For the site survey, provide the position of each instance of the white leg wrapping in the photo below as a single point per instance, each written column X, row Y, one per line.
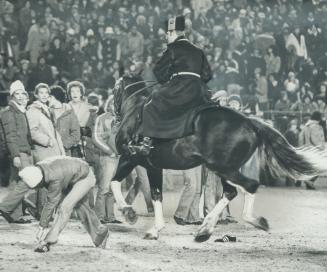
column 211, row 219
column 116, row 190
column 159, row 222
column 248, row 207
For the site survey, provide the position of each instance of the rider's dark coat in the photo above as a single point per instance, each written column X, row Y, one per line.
column 165, row 114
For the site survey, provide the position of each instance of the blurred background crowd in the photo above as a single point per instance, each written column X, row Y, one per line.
column 271, row 53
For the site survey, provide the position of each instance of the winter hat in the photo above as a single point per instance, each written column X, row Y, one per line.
column 70, row 31
column 316, row 115
column 58, row 93
column 31, row 175
column 186, row 11
column 90, row 32
column 16, row 86
column 109, row 30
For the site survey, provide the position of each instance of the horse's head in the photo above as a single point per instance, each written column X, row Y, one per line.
column 129, row 96
column 127, row 92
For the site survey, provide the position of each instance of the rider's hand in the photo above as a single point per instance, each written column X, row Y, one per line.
column 17, row 162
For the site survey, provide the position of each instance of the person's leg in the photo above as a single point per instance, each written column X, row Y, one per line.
column 195, row 177
column 142, row 177
column 91, row 222
column 99, row 206
column 78, row 192
column 12, row 203
column 188, row 207
column 110, row 204
column 104, row 205
column 211, row 193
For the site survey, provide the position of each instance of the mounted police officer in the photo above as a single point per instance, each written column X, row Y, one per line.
column 183, row 71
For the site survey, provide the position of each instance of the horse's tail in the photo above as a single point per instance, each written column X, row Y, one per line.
column 283, row 159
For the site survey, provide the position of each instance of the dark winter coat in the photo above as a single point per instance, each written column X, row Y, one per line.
column 16, row 130
column 166, row 113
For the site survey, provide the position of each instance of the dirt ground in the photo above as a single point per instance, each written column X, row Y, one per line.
column 297, row 241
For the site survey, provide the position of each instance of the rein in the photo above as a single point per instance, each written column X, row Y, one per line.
column 142, row 89
column 138, row 82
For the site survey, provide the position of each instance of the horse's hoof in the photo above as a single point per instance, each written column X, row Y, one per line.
column 263, row 224
column 150, row 236
column 202, row 237
column 130, row 215
column 260, row 223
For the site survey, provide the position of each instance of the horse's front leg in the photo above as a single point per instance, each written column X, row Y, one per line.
column 124, row 168
column 155, row 179
column 210, row 221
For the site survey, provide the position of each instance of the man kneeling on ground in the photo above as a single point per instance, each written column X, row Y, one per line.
column 68, row 181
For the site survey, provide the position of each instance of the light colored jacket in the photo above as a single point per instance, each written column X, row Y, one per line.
column 104, row 134
column 312, row 134
column 60, row 173
column 68, row 127
column 43, row 132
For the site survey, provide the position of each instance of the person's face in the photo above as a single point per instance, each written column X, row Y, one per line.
column 42, row 61
column 10, row 63
column 25, row 66
column 134, row 30
column 43, row 95
column 171, row 36
column 25, row 100
column 75, row 94
column 19, row 97
column 56, row 43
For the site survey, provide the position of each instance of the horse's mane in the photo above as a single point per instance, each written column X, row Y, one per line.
column 126, row 88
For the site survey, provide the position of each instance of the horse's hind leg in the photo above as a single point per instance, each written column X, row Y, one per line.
column 248, row 187
column 210, row 221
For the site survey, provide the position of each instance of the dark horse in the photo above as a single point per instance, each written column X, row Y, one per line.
column 223, row 141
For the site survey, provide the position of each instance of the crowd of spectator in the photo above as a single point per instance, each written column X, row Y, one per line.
column 270, row 52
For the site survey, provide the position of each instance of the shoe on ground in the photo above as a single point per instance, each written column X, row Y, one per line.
column 43, row 248
column 110, row 221
column 179, row 221
column 101, row 239
column 22, row 221
column 309, row 185
column 7, row 216
column 226, row 238
column 298, row 183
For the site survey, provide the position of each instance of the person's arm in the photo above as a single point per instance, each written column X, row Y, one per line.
column 317, row 137
column 161, row 69
column 99, row 137
column 10, row 132
column 38, row 137
column 53, row 199
column 206, row 72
